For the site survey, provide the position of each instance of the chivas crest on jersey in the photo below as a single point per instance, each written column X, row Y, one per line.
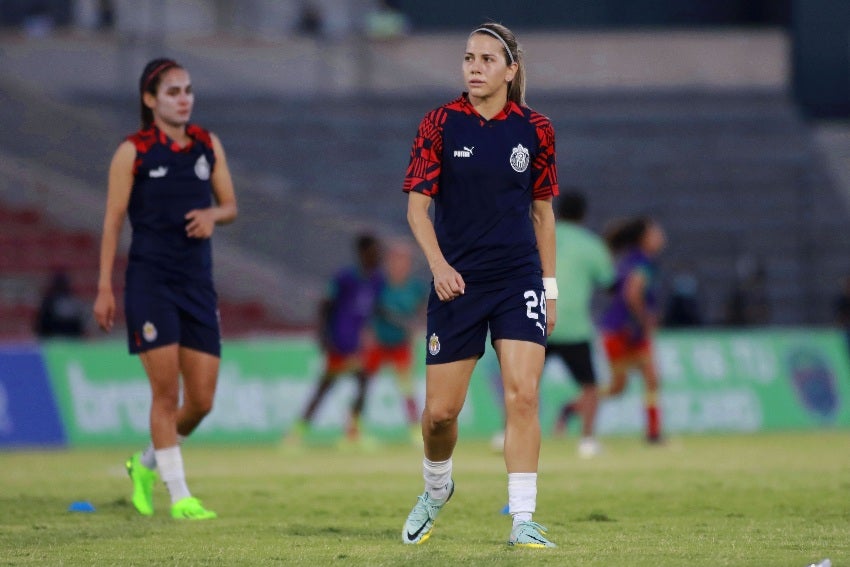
column 202, row 168
column 519, row 158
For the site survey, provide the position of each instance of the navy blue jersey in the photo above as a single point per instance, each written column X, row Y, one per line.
column 483, row 176
column 168, row 182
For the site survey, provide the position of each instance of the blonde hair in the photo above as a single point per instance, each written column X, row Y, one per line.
column 513, row 54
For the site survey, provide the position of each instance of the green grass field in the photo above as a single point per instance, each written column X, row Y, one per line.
column 762, row 500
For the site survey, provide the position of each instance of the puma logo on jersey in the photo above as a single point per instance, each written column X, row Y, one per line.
column 465, row 152
column 159, row 171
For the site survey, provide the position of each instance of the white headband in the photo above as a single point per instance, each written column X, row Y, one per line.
column 500, row 38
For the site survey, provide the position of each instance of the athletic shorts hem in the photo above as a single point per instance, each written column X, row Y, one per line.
column 454, row 357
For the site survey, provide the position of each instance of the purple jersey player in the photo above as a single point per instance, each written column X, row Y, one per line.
column 629, row 322
column 343, row 316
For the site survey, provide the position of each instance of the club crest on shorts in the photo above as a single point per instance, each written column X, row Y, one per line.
column 519, row 158
column 434, row 344
column 149, row 331
column 202, row 168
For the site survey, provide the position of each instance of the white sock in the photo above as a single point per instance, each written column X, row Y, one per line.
column 437, row 476
column 170, row 464
column 522, row 496
column 149, row 454
column 149, row 457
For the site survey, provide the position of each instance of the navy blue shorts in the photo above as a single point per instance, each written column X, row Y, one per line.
column 457, row 329
column 160, row 314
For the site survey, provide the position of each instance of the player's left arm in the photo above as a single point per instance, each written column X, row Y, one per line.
column 543, row 218
column 544, row 180
column 201, row 222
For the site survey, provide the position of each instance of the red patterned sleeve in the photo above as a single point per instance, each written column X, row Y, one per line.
column 544, row 170
column 144, row 141
column 200, row 134
column 423, row 171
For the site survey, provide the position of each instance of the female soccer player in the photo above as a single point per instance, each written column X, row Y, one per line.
column 487, row 162
column 629, row 322
column 165, row 177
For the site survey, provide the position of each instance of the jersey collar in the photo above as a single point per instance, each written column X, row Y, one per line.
column 171, row 144
column 510, row 108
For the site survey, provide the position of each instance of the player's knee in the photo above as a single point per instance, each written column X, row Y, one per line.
column 202, row 407
column 650, row 379
column 165, row 399
column 205, row 407
column 437, row 419
column 522, row 401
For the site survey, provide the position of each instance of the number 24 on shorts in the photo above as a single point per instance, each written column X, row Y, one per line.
column 532, row 302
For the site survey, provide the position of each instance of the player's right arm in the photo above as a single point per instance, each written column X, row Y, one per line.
column 117, row 199
column 323, row 315
column 634, row 293
column 448, row 283
column 422, row 182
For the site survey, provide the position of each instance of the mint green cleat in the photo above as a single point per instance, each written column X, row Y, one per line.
column 190, row 508
column 420, row 521
column 529, row 534
column 144, row 480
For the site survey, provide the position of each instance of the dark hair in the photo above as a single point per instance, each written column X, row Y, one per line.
column 627, row 233
column 516, row 88
column 365, row 241
column 572, row 206
column 149, row 83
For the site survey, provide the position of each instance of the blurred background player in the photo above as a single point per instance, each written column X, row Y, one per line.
column 487, row 162
column 629, row 322
column 584, row 265
column 61, row 313
column 397, row 314
column 683, row 307
column 165, row 177
column 842, row 311
column 343, row 315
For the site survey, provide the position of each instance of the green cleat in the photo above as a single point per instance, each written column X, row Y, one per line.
column 420, row 521
column 190, row 508
column 143, row 482
column 529, row 534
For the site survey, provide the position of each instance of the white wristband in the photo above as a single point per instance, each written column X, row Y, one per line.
column 550, row 286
